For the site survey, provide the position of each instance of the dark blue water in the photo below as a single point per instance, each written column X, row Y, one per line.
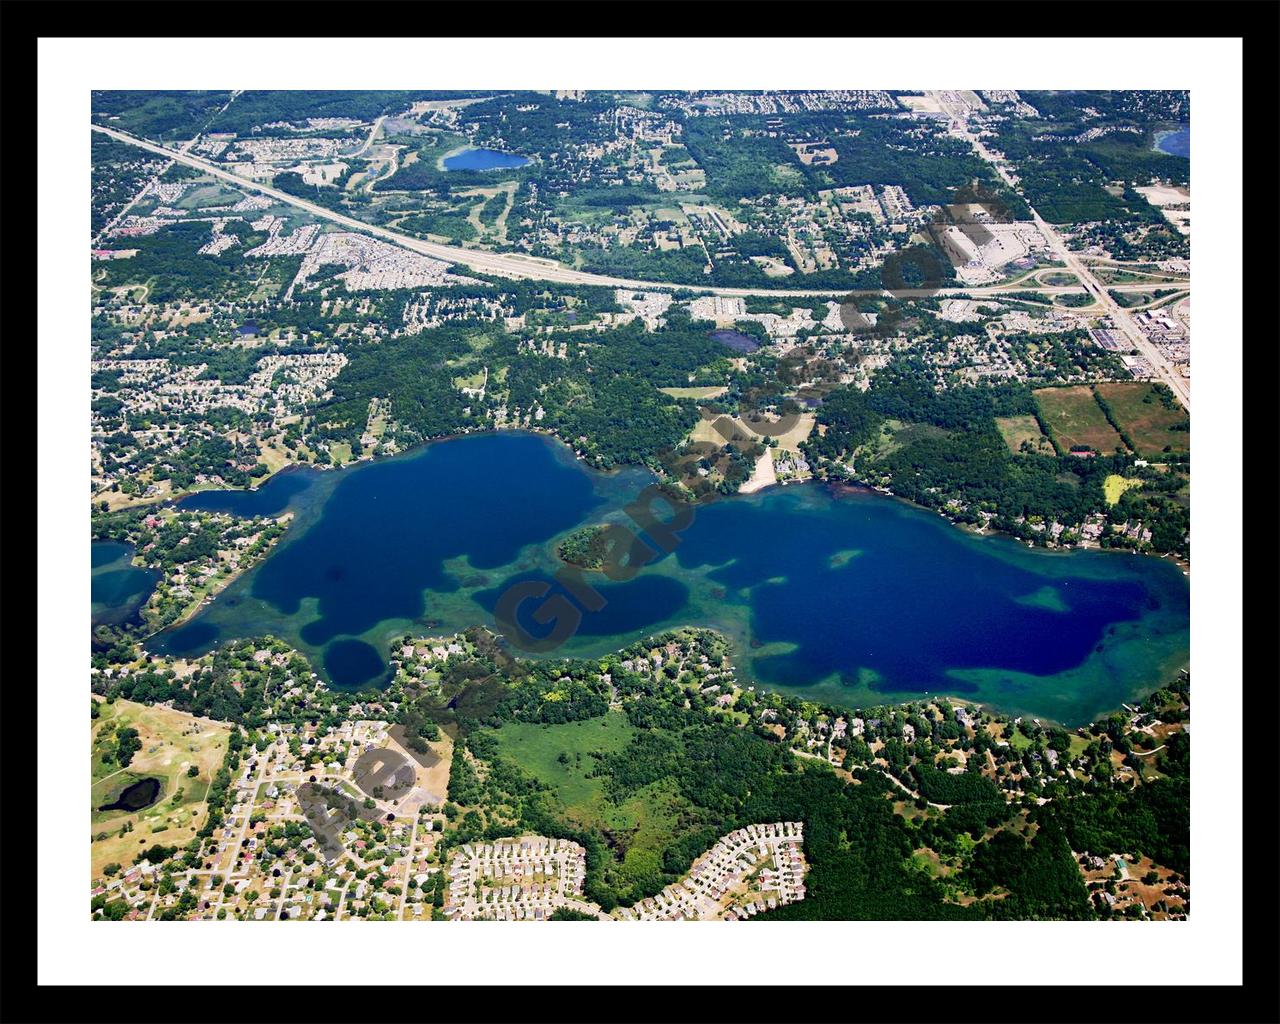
column 846, row 596
column 912, row 606
column 117, row 588
column 272, row 498
column 386, row 532
column 483, row 160
column 1176, row 143
column 353, row 660
column 635, row 605
column 136, row 796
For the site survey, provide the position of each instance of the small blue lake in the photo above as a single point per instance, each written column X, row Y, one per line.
column 1175, row 143
column 483, row 160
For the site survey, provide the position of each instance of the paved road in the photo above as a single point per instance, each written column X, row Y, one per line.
column 367, row 142
column 146, row 187
column 1165, row 370
column 408, row 870
column 513, row 265
column 232, row 868
column 500, row 264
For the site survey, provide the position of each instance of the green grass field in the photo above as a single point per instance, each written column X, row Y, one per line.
column 1142, row 415
column 1074, row 417
column 1016, row 429
column 208, row 194
column 537, row 749
column 639, row 827
column 1016, row 740
column 1059, row 279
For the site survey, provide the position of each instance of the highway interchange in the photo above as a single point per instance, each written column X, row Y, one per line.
column 517, row 265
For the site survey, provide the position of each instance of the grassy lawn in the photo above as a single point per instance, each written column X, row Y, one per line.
column 1143, row 273
column 537, row 749
column 1016, row 429
column 1139, row 410
column 1016, row 740
column 639, row 827
column 211, row 194
column 1128, row 300
column 1059, row 279
column 1115, row 485
column 172, row 742
column 1074, row 417
column 1074, row 300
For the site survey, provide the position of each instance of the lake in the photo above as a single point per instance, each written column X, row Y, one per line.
column 483, row 160
column 1175, row 143
column 136, row 796
column 840, row 594
column 118, row 589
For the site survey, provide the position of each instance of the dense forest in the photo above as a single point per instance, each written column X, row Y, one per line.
column 603, row 399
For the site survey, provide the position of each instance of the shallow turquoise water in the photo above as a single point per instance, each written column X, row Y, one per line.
column 844, row 595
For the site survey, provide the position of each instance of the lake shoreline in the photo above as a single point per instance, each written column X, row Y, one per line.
column 1158, row 137
column 369, row 567
column 994, row 531
column 759, row 487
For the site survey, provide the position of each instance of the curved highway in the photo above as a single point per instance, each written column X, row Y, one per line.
column 517, row 265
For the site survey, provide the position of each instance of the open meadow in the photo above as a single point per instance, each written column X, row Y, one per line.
column 1150, row 424
column 1075, row 418
column 638, row 826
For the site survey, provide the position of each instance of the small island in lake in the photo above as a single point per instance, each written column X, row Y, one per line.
column 585, row 548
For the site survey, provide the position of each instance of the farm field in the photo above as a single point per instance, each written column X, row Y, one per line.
column 1016, row 429
column 1150, row 424
column 172, row 742
column 1075, row 418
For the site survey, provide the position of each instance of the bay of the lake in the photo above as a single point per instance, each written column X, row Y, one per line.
column 843, row 595
column 1176, row 142
column 118, row 589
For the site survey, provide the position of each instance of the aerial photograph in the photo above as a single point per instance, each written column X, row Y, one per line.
column 568, row 505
